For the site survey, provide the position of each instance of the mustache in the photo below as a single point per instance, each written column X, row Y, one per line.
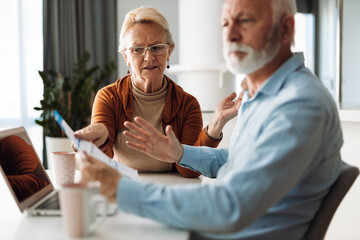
column 237, row 47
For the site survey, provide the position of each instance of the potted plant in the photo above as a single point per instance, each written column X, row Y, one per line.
column 72, row 97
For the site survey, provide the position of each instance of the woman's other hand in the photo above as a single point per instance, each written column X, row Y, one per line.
column 225, row 110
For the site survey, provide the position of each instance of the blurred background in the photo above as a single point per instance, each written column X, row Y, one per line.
column 44, row 35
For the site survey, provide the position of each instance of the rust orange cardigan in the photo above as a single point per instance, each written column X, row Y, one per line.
column 114, row 105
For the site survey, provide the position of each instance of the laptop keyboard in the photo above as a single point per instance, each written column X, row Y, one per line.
column 51, row 203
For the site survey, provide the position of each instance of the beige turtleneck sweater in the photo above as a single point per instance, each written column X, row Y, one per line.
column 150, row 107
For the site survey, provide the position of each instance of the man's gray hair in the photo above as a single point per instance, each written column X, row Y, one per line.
column 281, row 7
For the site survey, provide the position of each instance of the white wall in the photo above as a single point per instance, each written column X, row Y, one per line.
column 326, row 47
column 345, row 224
column 202, row 71
column 350, row 80
column 351, row 149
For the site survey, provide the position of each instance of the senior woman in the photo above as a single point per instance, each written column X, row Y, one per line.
column 146, row 44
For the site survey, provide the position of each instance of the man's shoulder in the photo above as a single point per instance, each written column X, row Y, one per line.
column 302, row 85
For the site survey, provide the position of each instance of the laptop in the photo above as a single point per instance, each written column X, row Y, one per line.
column 26, row 177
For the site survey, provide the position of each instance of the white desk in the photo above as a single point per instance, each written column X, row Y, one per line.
column 15, row 225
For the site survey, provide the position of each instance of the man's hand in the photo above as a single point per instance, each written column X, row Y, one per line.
column 96, row 133
column 147, row 139
column 95, row 170
column 225, row 110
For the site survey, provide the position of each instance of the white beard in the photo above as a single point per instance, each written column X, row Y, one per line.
column 255, row 59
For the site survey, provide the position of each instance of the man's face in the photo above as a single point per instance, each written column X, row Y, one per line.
column 250, row 40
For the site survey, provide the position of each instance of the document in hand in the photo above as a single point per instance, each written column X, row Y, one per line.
column 92, row 150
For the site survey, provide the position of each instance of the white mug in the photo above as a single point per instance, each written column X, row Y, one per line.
column 64, row 165
column 79, row 203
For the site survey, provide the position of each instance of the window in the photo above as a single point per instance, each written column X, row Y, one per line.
column 304, row 38
column 21, row 57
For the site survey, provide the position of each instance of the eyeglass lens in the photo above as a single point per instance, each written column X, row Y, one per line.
column 157, row 49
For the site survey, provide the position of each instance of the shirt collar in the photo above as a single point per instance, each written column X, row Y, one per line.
column 273, row 84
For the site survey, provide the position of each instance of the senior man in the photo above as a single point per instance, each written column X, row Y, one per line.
column 284, row 152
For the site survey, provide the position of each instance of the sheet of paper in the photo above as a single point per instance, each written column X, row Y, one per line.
column 92, row 150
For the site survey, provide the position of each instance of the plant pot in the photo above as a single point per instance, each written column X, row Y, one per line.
column 56, row 144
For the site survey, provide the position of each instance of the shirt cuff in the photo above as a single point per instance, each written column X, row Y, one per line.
column 128, row 195
column 190, row 158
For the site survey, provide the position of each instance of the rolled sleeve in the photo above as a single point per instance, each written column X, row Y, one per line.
column 205, row 160
column 128, row 195
column 190, row 158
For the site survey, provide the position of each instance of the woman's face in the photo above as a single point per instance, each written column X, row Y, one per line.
column 146, row 67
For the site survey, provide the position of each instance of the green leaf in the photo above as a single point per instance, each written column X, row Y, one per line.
column 71, row 95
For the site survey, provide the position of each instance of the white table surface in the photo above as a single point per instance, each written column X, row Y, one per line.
column 15, row 225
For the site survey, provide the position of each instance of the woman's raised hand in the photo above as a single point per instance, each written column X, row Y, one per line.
column 147, row 139
column 225, row 110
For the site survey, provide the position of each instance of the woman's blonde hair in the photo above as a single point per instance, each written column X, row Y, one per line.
column 144, row 15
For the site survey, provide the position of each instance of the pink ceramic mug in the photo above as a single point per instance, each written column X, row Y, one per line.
column 64, row 165
column 80, row 208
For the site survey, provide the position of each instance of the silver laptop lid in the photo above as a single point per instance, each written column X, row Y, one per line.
column 21, row 168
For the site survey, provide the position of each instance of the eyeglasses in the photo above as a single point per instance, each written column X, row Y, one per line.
column 157, row 49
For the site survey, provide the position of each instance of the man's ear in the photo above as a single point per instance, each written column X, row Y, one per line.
column 287, row 29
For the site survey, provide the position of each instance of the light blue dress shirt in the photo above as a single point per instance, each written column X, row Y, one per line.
column 284, row 154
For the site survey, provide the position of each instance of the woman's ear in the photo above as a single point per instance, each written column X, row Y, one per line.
column 170, row 50
column 123, row 52
column 287, row 28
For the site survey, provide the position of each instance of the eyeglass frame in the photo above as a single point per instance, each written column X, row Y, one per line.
column 147, row 48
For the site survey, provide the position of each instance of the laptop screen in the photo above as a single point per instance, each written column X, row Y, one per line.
column 21, row 165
